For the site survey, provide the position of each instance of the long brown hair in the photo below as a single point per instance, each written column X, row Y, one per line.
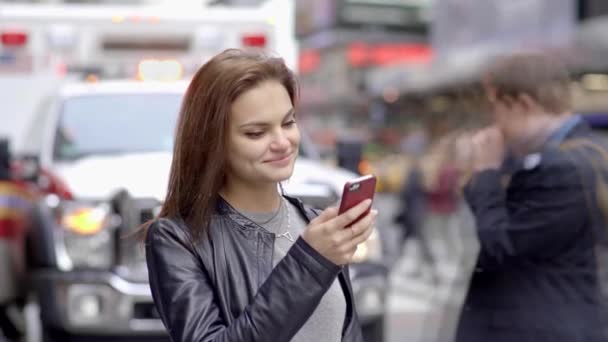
column 198, row 170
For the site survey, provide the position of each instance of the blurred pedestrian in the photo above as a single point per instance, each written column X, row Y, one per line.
column 441, row 184
column 411, row 216
column 536, row 274
column 12, row 263
column 412, row 198
column 230, row 258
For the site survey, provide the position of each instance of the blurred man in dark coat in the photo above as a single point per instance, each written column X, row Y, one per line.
column 537, row 211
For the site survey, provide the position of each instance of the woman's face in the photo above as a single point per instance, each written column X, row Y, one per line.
column 263, row 137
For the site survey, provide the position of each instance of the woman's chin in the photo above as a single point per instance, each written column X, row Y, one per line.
column 281, row 175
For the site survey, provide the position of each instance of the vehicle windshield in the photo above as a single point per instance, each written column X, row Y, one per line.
column 116, row 124
column 121, row 124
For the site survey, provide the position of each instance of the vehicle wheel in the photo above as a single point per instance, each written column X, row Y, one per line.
column 374, row 331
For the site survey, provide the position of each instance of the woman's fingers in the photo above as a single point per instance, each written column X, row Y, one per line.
column 328, row 234
column 346, row 218
column 360, row 227
column 365, row 235
column 367, row 232
column 356, row 230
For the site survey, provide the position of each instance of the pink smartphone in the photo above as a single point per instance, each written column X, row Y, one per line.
column 357, row 191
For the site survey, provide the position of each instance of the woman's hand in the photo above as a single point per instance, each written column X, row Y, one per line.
column 332, row 235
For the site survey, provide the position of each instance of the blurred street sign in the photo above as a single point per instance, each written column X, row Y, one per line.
column 395, row 15
column 314, row 15
column 14, row 63
column 477, row 28
column 7, row 58
column 402, row 14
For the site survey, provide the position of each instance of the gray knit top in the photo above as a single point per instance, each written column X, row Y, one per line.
column 327, row 321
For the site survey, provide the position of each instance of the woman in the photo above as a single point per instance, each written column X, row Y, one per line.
column 229, row 258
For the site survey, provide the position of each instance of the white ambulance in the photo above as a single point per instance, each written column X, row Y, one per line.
column 47, row 43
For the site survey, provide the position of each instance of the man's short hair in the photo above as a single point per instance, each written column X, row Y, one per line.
column 539, row 76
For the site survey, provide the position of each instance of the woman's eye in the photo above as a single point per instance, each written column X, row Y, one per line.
column 254, row 134
column 289, row 123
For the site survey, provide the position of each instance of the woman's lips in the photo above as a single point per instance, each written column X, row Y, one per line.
column 283, row 160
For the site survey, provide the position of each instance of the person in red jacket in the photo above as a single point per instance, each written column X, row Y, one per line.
column 15, row 200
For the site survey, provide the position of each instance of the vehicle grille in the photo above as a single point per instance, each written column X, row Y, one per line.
column 131, row 261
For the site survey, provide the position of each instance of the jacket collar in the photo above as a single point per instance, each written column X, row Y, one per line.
column 566, row 130
column 581, row 129
column 572, row 127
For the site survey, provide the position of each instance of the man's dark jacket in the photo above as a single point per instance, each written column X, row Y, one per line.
column 539, row 229
column 222, row 287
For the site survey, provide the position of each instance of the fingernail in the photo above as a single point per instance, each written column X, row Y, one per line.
column 368, row 201
column 374, row 212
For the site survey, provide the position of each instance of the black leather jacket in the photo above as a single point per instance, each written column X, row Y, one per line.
column 223, row 286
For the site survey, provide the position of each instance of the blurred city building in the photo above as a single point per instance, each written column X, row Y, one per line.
column 341, row 44
column 410, row 64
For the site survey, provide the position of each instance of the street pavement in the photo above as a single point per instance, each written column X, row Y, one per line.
column 424, row 301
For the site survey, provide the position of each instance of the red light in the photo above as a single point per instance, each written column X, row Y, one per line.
column 51, row 184
column 357, row 54
column 309, row 61
column 254, row 40
column 61, row 69
column 13, row 38
column 361, row 55
column 402, row 54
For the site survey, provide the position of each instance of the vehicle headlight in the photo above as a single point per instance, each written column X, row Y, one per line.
column 87, row 237
column 369, row 250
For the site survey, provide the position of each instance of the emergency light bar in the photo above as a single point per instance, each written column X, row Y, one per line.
column 13, row 38
column 254, row 40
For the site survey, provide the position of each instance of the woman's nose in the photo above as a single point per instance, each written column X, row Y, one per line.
column 280, row 141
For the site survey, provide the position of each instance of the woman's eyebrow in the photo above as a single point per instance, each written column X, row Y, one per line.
column 261, row 123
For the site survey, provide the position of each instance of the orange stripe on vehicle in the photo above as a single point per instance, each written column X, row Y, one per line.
column 11, row 214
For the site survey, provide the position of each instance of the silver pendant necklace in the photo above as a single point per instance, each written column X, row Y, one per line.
column 287, row 233
column 272, row 217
